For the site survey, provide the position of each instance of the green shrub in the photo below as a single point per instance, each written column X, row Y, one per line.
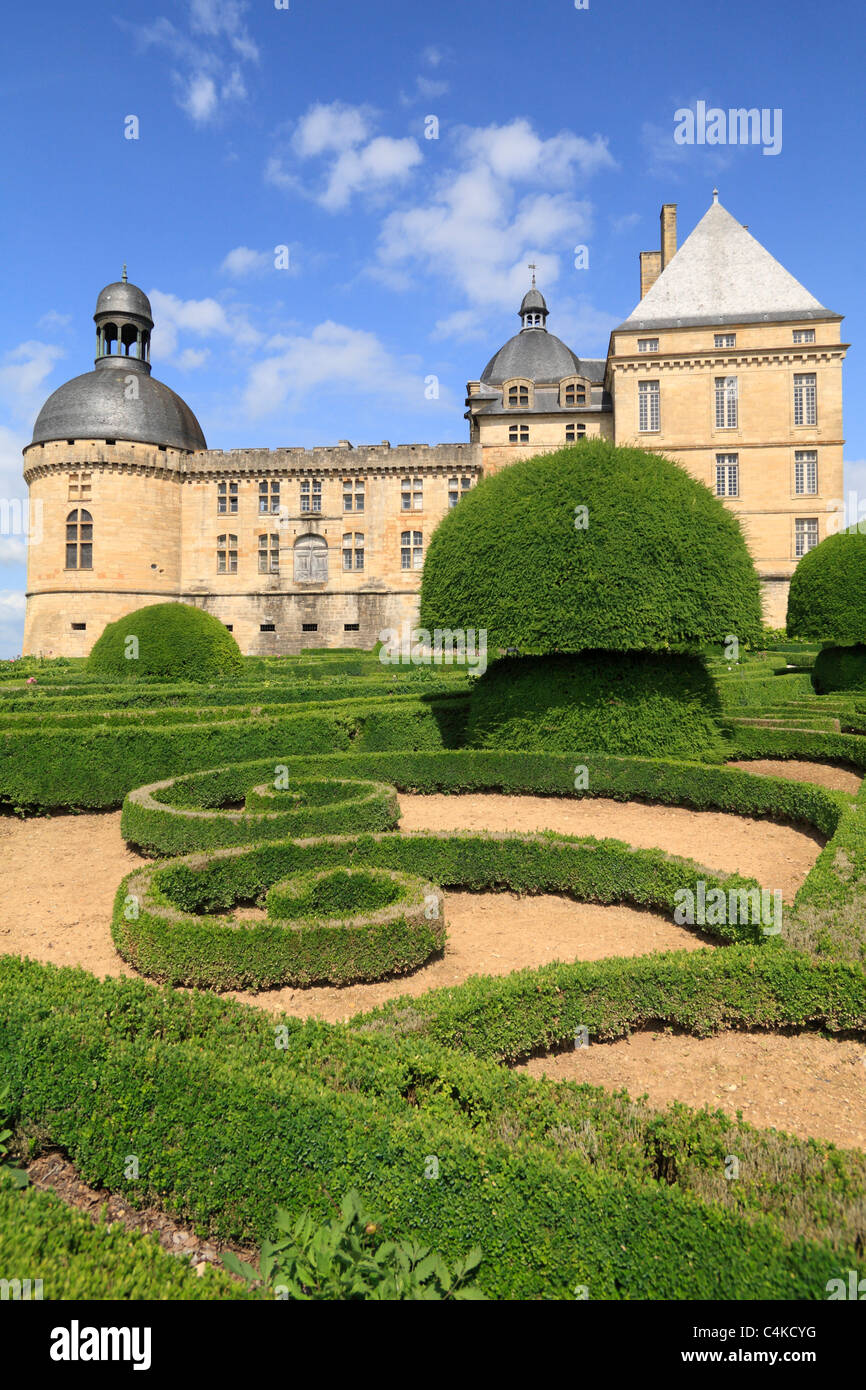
column 660, row 561
column 228, row 1127
column 75, row 1258
column 167, row 641
column 345, row 1260
column 825, row 600
column 840, row 668
column 336, row 893
column 612, row 702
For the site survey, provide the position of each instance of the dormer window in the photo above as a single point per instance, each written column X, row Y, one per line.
column 533, row 321
column 517, row 395
column 573, row 393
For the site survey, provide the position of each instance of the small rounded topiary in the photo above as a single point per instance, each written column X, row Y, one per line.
column 827, row 597
column 839, row 668
column 591, row 548
column 167, row 641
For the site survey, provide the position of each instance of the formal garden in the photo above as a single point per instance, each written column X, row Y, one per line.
column 284, row 1037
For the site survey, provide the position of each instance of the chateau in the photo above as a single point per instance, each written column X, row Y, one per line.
column 727, row 365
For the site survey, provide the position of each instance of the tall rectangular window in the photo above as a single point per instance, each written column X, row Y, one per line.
column 457, row 488
column 805, row 471
column 353, row 494
column 727, row 475
column 726, row 403
column 411, row 550
column 353, row 551
column 412, row 495
column 805, row 398
column 227, row 498
column 227, row 554
column 269, row 497
column 805, row 535
column 311, row 494
column 269, row 553
column 649, row 414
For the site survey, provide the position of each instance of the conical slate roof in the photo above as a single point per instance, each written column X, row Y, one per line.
column 721, row 274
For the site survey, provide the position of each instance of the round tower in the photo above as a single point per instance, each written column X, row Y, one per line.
column 104, row 470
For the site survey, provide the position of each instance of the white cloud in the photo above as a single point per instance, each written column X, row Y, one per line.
column 382, row 162
column 176, row 319
column 208, row 59
column 13, row 550
column 23, row 373
column 244, row 261
column 333, row 126
column 355, row 160
column 341, row 359
column 487, row 217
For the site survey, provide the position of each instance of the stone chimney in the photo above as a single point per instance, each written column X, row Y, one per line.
column 652, row 263
column 650, row 270
column 668, row 220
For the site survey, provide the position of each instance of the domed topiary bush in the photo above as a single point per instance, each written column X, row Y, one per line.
column 593, row 549
column 167, row 641
column 827, row 603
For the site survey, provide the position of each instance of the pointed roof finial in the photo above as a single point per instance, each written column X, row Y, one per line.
column 715, row 195
column 533, row 268
column 123, row 277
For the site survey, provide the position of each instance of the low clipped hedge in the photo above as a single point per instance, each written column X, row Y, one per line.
column 167, row 641
column 182, row 820
column 167, row 924
column 227, row 1126
column 840, row 668
column 612, row 702
column 172, row 816
column 95, row 768
column 167, row 920
column 77, row 1259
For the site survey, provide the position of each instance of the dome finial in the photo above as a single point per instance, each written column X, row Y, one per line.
column 715, row 195
column 123, row 276
column 533, row 268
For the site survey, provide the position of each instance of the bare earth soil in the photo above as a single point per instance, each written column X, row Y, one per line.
column 60, row 875
column 805, row 1084
column 840, row 779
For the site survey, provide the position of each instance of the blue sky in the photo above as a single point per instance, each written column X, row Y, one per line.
column 306, row 127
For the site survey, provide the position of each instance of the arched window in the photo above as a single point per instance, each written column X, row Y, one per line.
column 227, row 554
column 109, row 338
column 411, row 550
column 311, row 560
column 129, row 340
column 269, row 553
column 573, row 393
column 353, row 551
column 517, row 395
column 79, row 540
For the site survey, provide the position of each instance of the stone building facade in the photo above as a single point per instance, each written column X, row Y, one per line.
column 727, row 365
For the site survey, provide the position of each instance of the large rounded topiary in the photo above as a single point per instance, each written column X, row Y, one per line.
column 598, row 567
column 827, row 603
column 655, row 559
column 168, row 641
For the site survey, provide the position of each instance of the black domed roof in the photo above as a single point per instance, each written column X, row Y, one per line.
column 123, row 298
column 95, row 406
column 534, row 354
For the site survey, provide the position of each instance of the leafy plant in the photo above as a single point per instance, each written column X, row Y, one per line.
column 346, row 1259
column 15, row 1177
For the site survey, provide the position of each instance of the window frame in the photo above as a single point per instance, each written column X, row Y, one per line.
column 727, row 402
column 227, row 553
column 649, row 407
column 726, row 465
column 805, row 386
